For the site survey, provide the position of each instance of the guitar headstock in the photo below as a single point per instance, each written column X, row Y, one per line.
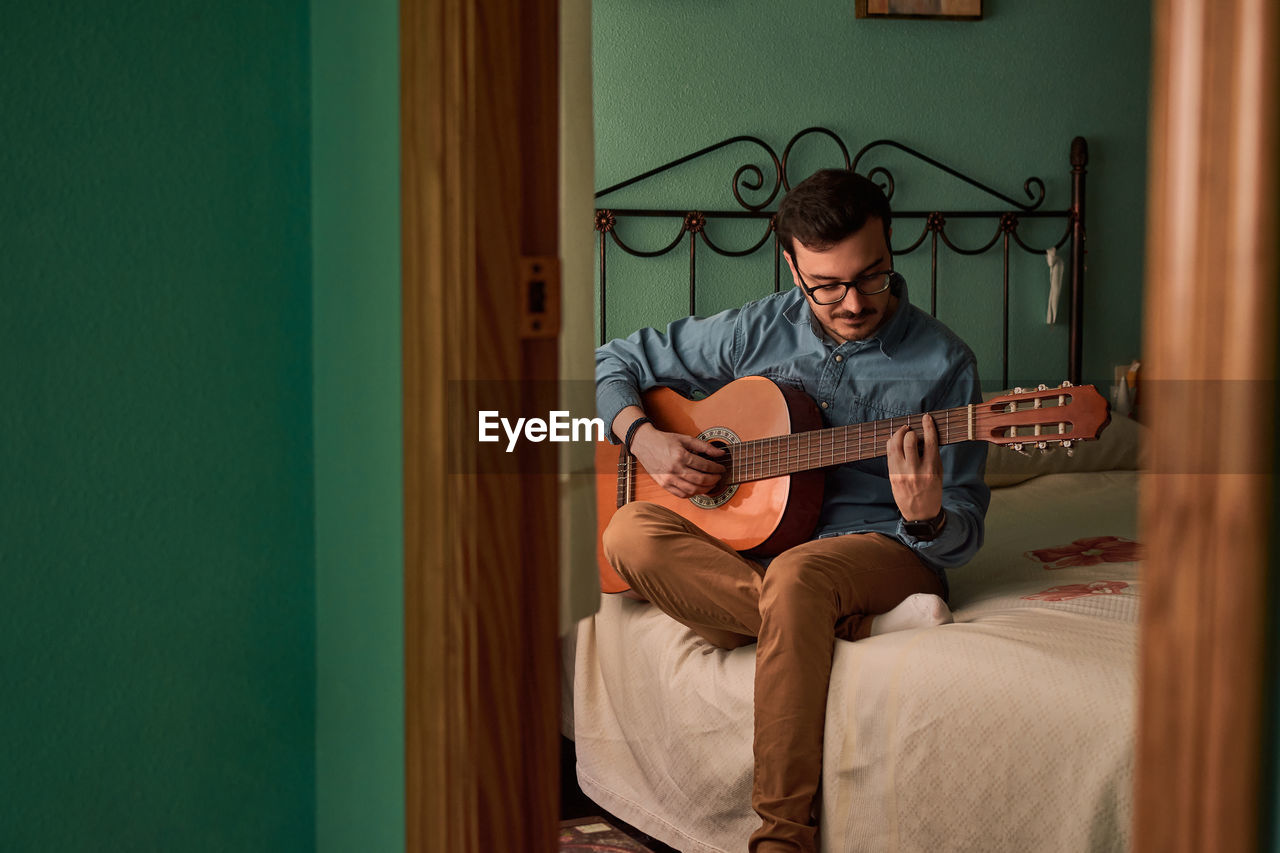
column 1043, row 416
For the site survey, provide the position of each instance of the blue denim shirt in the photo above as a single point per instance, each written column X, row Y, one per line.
column 912, row 364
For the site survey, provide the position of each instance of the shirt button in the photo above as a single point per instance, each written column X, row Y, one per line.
column 824, row 404
column 839, row 358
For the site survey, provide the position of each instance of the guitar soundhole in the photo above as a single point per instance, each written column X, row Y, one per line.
column 720, row 437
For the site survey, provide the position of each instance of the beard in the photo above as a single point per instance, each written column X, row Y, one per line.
column 865, row 320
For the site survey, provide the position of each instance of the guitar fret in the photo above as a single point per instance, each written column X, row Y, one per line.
column 619, row 489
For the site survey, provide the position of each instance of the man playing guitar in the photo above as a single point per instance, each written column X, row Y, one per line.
column 888, row 527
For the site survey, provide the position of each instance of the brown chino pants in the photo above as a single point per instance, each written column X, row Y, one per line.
column 809, row 596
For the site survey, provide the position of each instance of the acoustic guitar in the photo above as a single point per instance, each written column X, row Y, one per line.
column 770, row 495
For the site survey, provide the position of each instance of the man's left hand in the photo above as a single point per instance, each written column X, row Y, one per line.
column 915, row 471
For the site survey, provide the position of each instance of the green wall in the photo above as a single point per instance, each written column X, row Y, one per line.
column 1000, row 99
column 359, row 541
column 203, row 646
column 156, row 548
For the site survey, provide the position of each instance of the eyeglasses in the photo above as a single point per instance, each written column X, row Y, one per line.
column 867, row 285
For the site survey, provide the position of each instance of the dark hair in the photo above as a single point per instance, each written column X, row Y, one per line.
column 827, row 207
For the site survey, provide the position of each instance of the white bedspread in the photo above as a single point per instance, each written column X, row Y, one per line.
column 1011, row 730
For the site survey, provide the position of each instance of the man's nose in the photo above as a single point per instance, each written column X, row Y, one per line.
column 853, row 300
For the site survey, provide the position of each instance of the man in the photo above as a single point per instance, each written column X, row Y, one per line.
column 889, row 527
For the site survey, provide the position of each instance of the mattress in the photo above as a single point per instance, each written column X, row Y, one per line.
column 1010, row 730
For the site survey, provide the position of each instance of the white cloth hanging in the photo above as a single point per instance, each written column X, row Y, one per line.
column 1056, row 265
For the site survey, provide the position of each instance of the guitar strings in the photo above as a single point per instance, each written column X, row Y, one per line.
column 774, row 456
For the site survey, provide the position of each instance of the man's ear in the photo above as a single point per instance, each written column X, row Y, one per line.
column 791, row 263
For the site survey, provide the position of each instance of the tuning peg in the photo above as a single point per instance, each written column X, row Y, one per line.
column 1066, row 384
column 1043, row 445
column 1019, row 389
column 1042, row 387
column 1068, row 445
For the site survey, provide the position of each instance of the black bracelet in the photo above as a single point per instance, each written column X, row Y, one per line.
column 631, row 431
column 927, row 530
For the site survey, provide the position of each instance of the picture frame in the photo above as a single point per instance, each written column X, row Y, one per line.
column 945, row 10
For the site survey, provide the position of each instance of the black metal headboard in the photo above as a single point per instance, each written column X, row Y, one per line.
column 752, row 178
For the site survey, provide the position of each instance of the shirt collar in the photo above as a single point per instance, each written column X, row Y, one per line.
column 888, row 337
column 892, row 332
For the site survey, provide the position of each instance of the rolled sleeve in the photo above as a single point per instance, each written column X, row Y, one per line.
column 965, row 495
column 611, row 398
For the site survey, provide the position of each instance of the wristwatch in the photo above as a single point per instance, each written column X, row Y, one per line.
column 927, row 529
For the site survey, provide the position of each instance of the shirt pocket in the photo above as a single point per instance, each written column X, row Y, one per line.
column 863, row 409
column 785, row 378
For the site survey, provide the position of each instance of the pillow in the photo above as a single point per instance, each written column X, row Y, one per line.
column 1117, row 449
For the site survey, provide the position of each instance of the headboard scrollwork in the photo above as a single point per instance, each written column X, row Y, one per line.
column 752, row 179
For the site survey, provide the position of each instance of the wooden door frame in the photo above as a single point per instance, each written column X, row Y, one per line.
column 479, row 107
column 1209, row 393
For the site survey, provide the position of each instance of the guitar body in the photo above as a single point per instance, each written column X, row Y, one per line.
column 774, row 494
column 759, row 517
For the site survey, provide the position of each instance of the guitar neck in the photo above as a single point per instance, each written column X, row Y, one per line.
column 777, row 456
column 1061, row 415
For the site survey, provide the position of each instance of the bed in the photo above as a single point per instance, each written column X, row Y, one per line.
column 1010, row 730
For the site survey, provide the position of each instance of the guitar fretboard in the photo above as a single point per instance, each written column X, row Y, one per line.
column 776, row 456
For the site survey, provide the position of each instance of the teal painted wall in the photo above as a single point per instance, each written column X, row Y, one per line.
column 1000, row 99
column 359, row 540
column 183, row 670
column 156, row 547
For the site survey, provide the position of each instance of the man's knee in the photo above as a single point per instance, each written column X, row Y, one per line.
column 789, row 574
column 809, row 577
column 632, row 534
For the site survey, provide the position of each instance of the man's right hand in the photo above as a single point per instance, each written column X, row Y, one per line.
column 673, row 461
